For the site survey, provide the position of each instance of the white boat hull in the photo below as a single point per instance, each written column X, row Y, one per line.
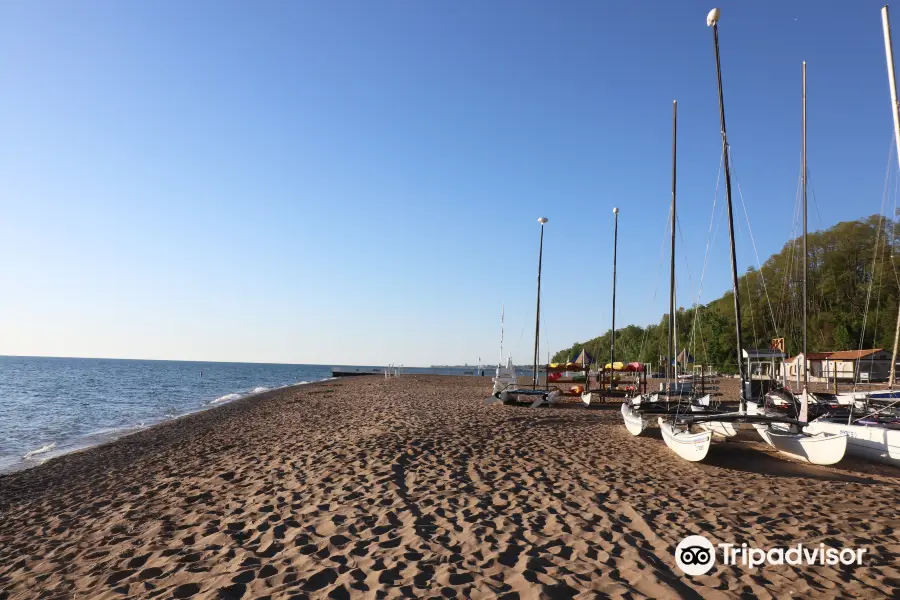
column 687, row 445
column 720, row 428
column 817, row 449
column 505, row 377
column 504, row 382
column 635, row 423
column 550, row 398
column 492, row 400
column 637, row 400
column 504, row 397
column 869, row 442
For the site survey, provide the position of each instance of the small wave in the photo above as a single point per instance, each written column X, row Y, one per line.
column 302, row 382
column 259, row 390
column 226, row 398
column 41, row 450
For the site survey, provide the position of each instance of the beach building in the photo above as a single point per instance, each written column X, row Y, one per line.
column 843, row 365
column 795, row 365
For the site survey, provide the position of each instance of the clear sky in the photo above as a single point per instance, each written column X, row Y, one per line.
column 359, row 182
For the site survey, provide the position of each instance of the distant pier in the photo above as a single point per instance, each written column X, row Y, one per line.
column 355, row 371
column 390, row 370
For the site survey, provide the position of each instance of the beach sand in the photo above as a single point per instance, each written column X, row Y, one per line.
column 410, row 487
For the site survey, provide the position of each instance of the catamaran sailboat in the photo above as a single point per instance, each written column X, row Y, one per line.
column 779, row 431
column 511, row 392
column 821, row 448
column 875, row 436
column 505, row 377
column 638, row 411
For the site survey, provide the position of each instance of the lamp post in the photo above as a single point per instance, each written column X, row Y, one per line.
column 537, row 318
column 612, row 340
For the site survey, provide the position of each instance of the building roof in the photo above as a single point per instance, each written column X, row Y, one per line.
column 853, row 354
column 759, row 353
column 812, row 356
column 838, row 355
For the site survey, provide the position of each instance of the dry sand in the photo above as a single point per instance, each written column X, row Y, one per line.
column 410, row 487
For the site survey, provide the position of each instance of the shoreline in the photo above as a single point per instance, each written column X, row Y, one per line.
column 87, row 441
column 411, row 486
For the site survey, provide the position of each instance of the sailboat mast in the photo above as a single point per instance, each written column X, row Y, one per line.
column 612, row 339
column 804, row 398
column 805, row 255
column 537, row 317
column 502, row 311
column 889, row 52
column 712, row 20
column 672, row 349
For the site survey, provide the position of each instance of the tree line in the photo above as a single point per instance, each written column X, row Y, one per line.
column 853, row 295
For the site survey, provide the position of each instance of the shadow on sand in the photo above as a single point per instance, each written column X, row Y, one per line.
column 575, row 405
column 742, row 456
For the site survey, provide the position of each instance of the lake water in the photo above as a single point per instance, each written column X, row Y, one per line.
column 51, row 406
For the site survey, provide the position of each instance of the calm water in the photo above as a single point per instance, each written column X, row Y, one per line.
column 50, row 406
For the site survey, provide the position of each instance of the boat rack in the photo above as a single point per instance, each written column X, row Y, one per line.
column 563, row 385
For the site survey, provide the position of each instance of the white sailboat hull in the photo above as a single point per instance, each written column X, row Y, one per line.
column 503, row 381
column 492, row 400
column 550, row 398
column 504, row 397
column 720, row 428
column 635, row 423
column 505, row 377
column 847, row 398
column 869, row 442
column 817, row 449
column 553, row 397
column 687, row 445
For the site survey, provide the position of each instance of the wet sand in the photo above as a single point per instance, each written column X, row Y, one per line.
column 410, row 487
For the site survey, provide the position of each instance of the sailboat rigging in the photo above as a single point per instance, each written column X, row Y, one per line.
column 636, row 410
column 505, row 377
column 505, row 394
column 779, row 431
column 872, row 436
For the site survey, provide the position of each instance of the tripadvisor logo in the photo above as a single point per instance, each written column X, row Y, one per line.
column 696, row 555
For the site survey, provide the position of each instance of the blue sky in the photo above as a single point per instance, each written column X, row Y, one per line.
column 359, row 182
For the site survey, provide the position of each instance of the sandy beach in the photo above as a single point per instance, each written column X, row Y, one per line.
column 410, row 487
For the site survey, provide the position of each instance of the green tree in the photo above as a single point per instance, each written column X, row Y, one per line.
column 852, row 290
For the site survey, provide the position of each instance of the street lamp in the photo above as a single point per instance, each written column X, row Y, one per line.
column 537, row 318
column 612, row 340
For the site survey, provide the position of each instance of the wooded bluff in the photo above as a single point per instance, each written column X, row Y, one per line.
column 853, row 301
